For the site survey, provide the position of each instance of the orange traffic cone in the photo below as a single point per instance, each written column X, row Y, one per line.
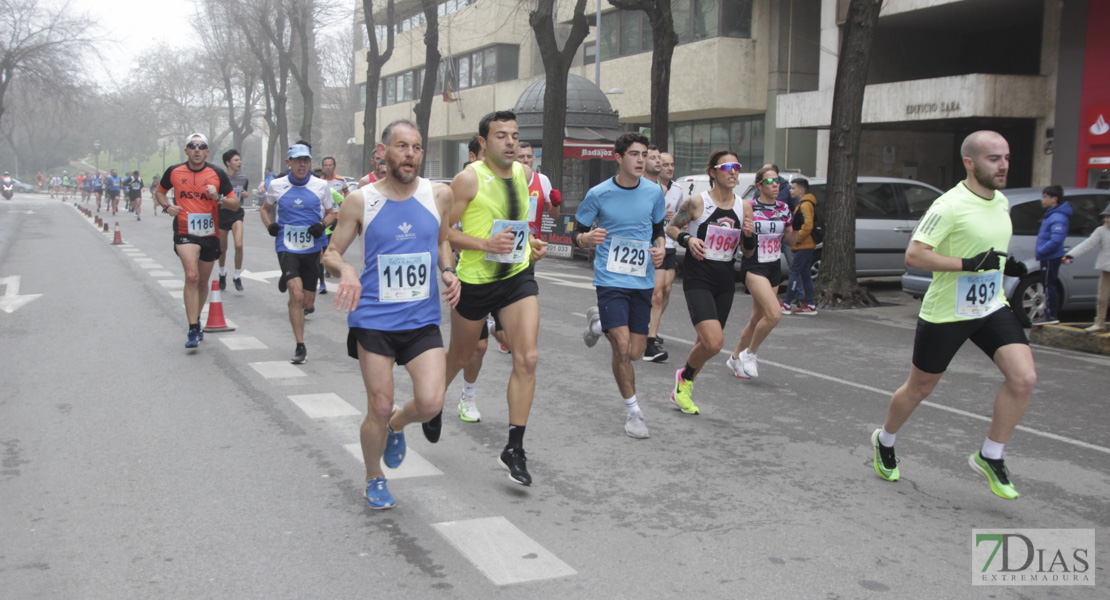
column 118, row 239
column 216, row 311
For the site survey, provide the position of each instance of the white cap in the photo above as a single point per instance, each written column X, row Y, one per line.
column 200, row 137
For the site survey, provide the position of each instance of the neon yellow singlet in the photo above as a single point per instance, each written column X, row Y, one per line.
column 493, row 202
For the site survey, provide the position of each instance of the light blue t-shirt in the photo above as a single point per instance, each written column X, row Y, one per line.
column 628, row 215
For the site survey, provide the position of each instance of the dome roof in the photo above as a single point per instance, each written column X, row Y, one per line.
column 582, row 96
column 589, row 114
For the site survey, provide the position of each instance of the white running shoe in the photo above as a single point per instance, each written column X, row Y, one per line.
column 737, row 367
column 588, row 336
column 748, row 360
column 468, row 409
column 635, row 426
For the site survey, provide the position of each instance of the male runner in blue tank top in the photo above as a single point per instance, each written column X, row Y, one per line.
column 393, row 305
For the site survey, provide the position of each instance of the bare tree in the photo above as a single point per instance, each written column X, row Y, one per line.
column 837, row 284
column 423, row 108
column 260, row 22
column 337, row 97
column 556, row 66
column 48, row 131
column 39, row 42
column 663, row 41
column 181, row 105
column 227, row 57
column 375, row 60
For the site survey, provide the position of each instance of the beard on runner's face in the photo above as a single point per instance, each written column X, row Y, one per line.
column 403, row 169
column 991, row 181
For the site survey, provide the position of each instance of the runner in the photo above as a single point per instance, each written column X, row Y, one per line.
column 708, row 282
column 232, row 221
column 153, row 188
column 762, row 273
column 98, row 189
column 395, row 319
column 39, row 179
column 55, row 186
column 664, row 276
column 199, row 190
column 125, row 188
column 87, row 189
column 540, row 192
column 81, row 186
column 629, row 238
column 966, row 300
column 65, row 185
column 135, row 195
column 303, row 209
column 497, row 252
column 338, row 185
column 112, row 183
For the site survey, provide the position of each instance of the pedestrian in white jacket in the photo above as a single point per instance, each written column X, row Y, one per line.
column 1099, row 239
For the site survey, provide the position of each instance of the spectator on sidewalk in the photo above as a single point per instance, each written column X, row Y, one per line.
column 1099, row 239
column 800, row 285
column 1050, row 248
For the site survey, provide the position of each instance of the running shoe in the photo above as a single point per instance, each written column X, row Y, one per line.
column 635, row 427
column 886, row 465
column 200, row 334
column 811, row 309
column 394, row 452
column 323, row 289
column 588, row 336
column 750, row 366
column 138, row 217
column 223, row 282
column 737, row 367
column 238, row 284
column 683, row 393
column 468, row 409
column 300, row 355
column 310, row 310
column 192, row 341
column 503, row 349
column 653, row 353
column 997, row 474
column 514, row 461
column 658, row 340
column 282, row 283
column 433, row 428
column 377, row 494
column 1046, row 321
column 804, row 310
column 786, row 309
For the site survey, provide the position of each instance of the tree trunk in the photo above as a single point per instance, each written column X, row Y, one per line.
column 663, row 41
column 375, row 60
column 556, row 66
column 837, row 285
column 423, row 109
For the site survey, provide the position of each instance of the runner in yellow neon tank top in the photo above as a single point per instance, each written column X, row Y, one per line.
column 495, row 267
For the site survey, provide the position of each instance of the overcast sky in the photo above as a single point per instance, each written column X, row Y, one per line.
column 137, row 25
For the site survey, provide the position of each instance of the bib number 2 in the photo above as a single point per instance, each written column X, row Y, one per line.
column 519, row 229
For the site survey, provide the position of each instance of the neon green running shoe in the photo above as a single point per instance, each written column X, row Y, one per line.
column 997, row 474
column 682, row 396
column 886, row 465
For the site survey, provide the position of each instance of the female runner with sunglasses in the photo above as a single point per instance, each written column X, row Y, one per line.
column 716, row 229
column 762, row 274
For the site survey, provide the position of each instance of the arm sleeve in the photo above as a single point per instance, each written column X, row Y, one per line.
column 587, row 211
column 545, row 185
column 226, row 190
column 166, row 185
column 934, row 226
column 271, row 195
column 1085, row 245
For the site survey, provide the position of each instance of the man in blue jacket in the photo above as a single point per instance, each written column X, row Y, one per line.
column 1050, row 248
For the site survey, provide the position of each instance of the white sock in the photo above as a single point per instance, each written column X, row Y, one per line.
column 631, row 404
column 991, row 449
column 886, row 438
column 238, row 273
column 595, row 327
column 469, row 389
column 223, row 272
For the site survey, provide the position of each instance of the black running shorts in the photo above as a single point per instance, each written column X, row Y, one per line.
column 209, row 246
column 936, row 344
column 670, row 260
column 403, row 346
column 771, row 271
column 707, row 304
column 477, row 300
column 305, row 266
column 227, row 217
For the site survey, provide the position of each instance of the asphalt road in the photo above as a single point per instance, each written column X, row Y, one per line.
column 133, row 468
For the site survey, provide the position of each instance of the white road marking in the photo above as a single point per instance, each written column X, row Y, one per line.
column 179, row 294
column 151, row 265
column 502, row 552
column 141, row 258
column 243, row 342
column 171, row 284
column 323, row 406
column 277, row 369
column 160, row 274
column 888, row 394
column 11, row 300
column 560, row 279
column 262, row 276
column 414, row 465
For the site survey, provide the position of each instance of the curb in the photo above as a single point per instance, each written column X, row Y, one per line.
column 1072, row 337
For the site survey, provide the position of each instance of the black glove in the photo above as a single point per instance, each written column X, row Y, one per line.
column 1015, row 268
column 984, row 261
column 749, row 241
column 273, row 229
column 798, row 221
column 316, row 230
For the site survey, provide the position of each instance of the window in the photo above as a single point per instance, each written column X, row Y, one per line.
column 476, row 64
column 610, row 33
column 631, row 31
column 680, row 11
column 736, row 19
column 1026, row 218
column 407, row 95
column 589, row 53
column 876, row 201
column 626, row 32
column 1085, row 213
column 489, row 56
column 691, row 142
column 705, row 19
column 464, row 72
column 919, row 198
column 390, row 91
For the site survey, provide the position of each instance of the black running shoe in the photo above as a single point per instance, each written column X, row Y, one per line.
column 653, row 353
column 513, row 460
column 238, row 284
column 309, row 311
column 281, row 283
column 223, row 282
column 433, row 428
column 300, row 355
column 658, row 341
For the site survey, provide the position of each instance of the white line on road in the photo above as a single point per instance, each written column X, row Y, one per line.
column 277, row 369
column 243, row 342
column 888, row 394
column 324, row 406
column 179, row 294
column 502, row 552
column 414, row 465
column 171, row 284
column 160, row 274
column 151, row 265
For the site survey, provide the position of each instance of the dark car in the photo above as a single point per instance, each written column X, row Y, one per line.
column 1077, row 282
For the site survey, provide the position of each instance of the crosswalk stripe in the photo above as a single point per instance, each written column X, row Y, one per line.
column 323, row 406
column 414, row 465
column 277, row 369
column 502, row 552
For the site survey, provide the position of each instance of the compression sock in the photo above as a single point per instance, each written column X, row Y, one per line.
column 516, row 436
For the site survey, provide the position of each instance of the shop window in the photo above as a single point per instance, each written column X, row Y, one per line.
column 736, row 19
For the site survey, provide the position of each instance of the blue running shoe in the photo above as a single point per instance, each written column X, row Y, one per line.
column 377, row 495
column 193, row 340
column 394, row 447
column 200, row 334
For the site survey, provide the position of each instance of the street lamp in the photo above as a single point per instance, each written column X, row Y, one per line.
column 96, row 146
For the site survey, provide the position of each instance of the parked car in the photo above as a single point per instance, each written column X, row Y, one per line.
column 1077, row 282
column 887, row 211
column 23, row 188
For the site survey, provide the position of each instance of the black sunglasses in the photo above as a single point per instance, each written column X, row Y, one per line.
column 196, row 146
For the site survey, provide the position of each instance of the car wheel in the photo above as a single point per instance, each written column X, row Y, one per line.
column 1029, row 299
column 815, row 266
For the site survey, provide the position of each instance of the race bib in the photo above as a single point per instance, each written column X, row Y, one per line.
column 520, row 241
column 977, row 294
column 628, row 257
column 239, row 192
column 297, row 237
column 769, row 248
column 404, row 277
column 136, row 186
column 201, row 224
column 720, row 242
